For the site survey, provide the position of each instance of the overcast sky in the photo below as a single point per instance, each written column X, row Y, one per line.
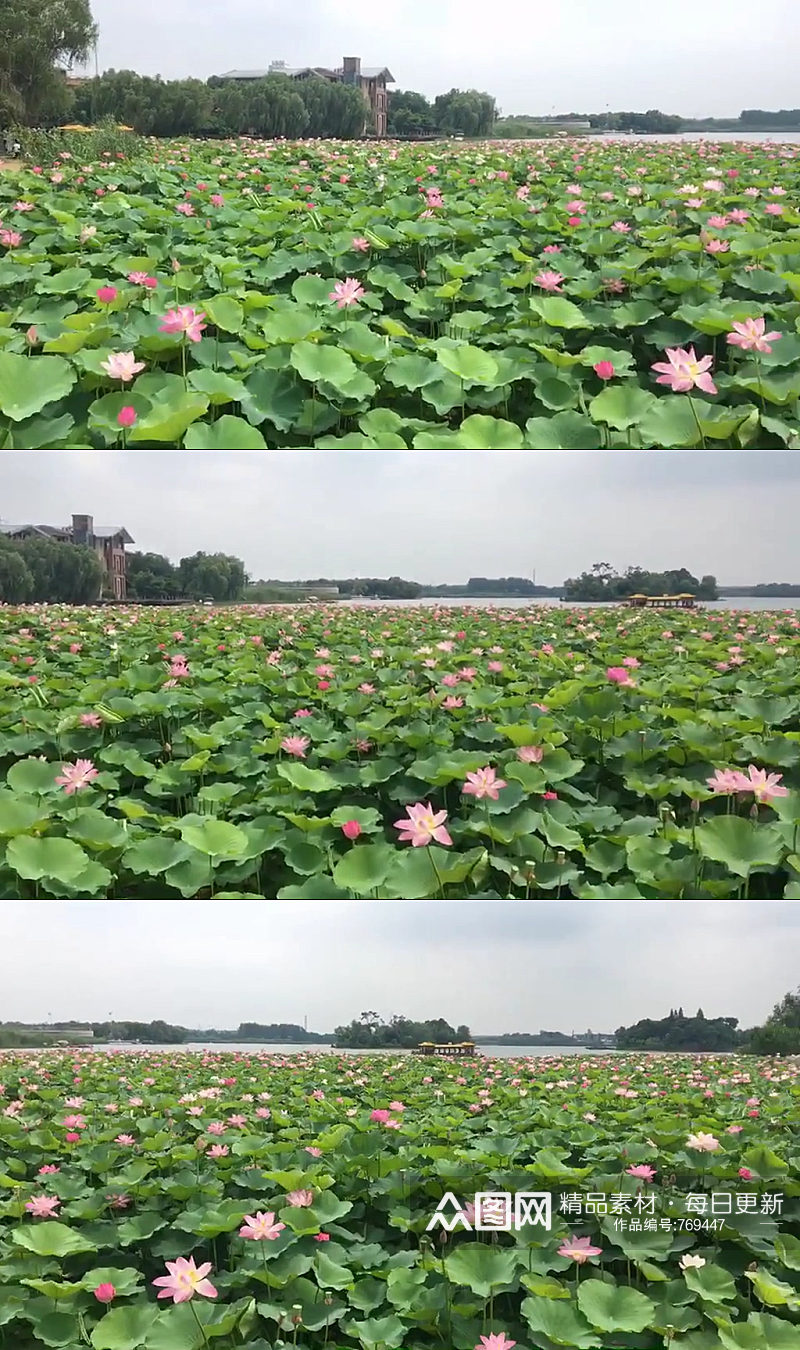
column 430, row 516
column 497, row 967
column 533, row 55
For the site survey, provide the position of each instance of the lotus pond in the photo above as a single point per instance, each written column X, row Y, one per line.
column 302, row 1188
column 321, row 752
column 253, row 294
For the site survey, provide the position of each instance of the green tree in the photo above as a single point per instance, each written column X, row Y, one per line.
column 409, row 114
column 36, row 36
column 16, row 582
column 780, row 1034
column 465, row 111
column 216, row 575
column 61, row 573
column 370, row 1030
column 151, row 576
column 333, row 109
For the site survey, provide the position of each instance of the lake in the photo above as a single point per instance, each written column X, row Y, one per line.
column 744, row 602
column 232, row 1047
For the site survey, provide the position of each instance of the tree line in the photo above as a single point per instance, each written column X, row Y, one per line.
column 273, row 106
column 677, row 1032
column 779, row 1034
column 602, row 582
column 213, row 576
column 50, row 571
column 40, row 570
column 465, row 112
column 159, row 1032
column 369, row 1031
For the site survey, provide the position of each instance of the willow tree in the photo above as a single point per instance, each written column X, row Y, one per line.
column 38, row 36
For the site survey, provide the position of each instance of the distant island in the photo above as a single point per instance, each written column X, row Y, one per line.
column 676, row 1032
column 600, row 583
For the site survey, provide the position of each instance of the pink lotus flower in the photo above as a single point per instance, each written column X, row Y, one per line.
column 774, row 209
column 750, row 336
column 126, row 416
column 75, row 776
column 725, row 781
column 296, row 745
column 217, row 199
column 314, row 1151
column 495, row 1341
column 530, row 754
column 605, row 370
column 422, row 825
column 483, row 783
column 641, row 1170
column 142, row 279
column 185, row 209
column 764, row 786
column 300, row 1199
column 48, row 1169
column 107, row 294
column 184, row 319
column 621, row 227
column 90, row 719
column 122, row 366
column 619, row 675
column 702, row 1143
column 549, row 281
column 105, row 1293
column 351, row 829
column 127, row 1140
column 185, row 1279
column 218, row 1151
column 745, row 1174
column 43, row 1206
column 261, row 1227
column 322, row 1237
column 579, row 1249
column 717, row 246
column 10, row 238
column 682, row 371
column 360, row 244
column 347, row 292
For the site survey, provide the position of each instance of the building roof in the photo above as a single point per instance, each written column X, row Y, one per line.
column 108, row 532
column 375, row 73
column 294, row 72
column 47, row 530
column 65, row 531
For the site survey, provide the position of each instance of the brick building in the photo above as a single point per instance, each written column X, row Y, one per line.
column 108, row 542
column 371, row 80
